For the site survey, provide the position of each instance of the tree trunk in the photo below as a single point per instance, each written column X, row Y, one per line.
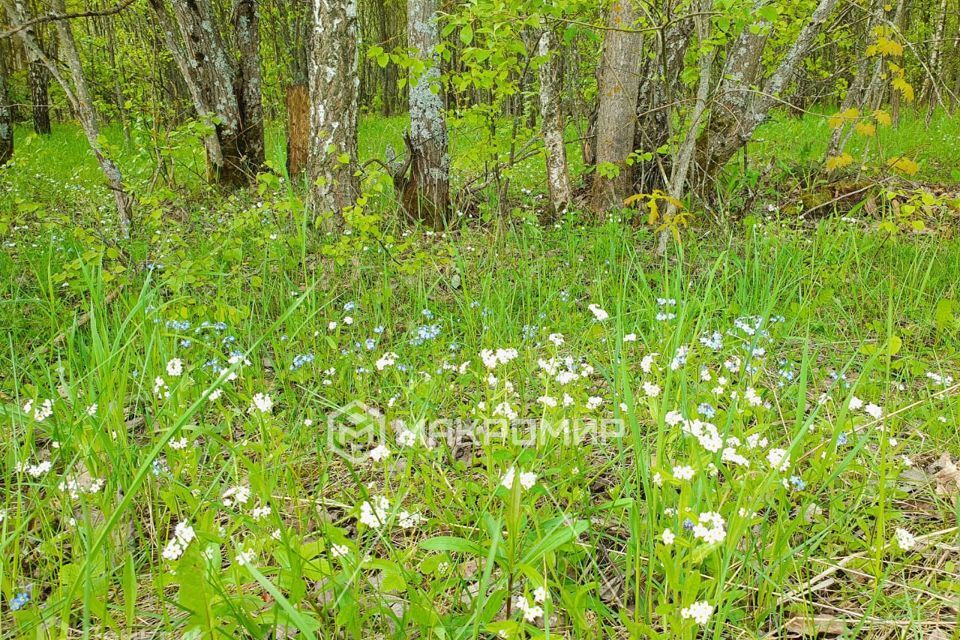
column 40, row 97
column 681, row 165
column 211, row 76
column 742, row 114
column 658, row 90
column 248, row 84
column 334, row 83
column 619, row 84
column 426, row 195
column 78, row 95
column 934, row 73
column 298, row 129
column 6, row 114
column 558, row 179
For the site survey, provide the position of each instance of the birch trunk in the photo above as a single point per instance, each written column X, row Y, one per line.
column 619, row 84
column 742, row 112
column 334, row 85
column 426, row 194
column 247, row 86
column 40, row 97
column 558, row 179
column 935, row 72
column 658, row 91
column 6, row 115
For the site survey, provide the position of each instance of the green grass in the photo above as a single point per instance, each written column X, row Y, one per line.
column 810, row 316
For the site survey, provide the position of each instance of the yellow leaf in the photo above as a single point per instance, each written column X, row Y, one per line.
column 838, row 162
column 842, row 117
column 866, row 129
column 905, row 88
column 882, row 117
column 903, row 165
column 654, row 212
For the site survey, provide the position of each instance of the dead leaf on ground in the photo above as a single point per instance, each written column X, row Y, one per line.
column 947, row 476
column 816, row 625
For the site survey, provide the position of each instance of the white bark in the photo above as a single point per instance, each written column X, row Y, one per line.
column 334, row 87
column 558, row 179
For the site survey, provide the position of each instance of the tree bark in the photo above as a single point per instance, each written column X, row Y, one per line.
column 247, row 86
column 40, row 97
column 426, row 195
column 334, row 84
column 658, row 91
column 6, row 114
column 740, row 112
column 558, row 179
column 39, row 80
column 223, row 91
column 935, row 71
column 619, row 84
column 298, row 129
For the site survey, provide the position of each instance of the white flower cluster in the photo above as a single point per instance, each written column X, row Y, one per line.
column 493, row 358
column 76, row 488
column 34, row 470
column 386, row 360
column 531, row 611
column 183, row 533
column 175, row 367
column 874, row 411
column 262, row 402
column 778, row 460
column 711, row 527
column 565, row 370
column 699, row 612
column 374, row 512
column 527, row 479
column 41, row 413
column 598, row 312
column 236, row 496
column 905, row 540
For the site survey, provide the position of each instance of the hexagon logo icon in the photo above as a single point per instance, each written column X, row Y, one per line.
column 354, row 429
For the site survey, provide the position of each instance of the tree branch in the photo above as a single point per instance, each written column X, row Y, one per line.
column 55, row 17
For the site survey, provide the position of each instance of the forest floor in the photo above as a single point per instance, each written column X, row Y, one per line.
column 233, row 427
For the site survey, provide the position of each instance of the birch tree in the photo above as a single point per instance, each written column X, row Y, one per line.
column 39, row 80
column 74, row 86
column 334, row 85
column 618, row 86
column 225, row 91
column 426, row 193
column 659, row 88
column 740, row 109
column 558, row 179
column 6, row 114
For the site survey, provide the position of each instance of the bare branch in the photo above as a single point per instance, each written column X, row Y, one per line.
column 56, row 17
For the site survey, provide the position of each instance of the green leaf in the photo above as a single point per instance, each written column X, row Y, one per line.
column 452, row 543
column 466, row 34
